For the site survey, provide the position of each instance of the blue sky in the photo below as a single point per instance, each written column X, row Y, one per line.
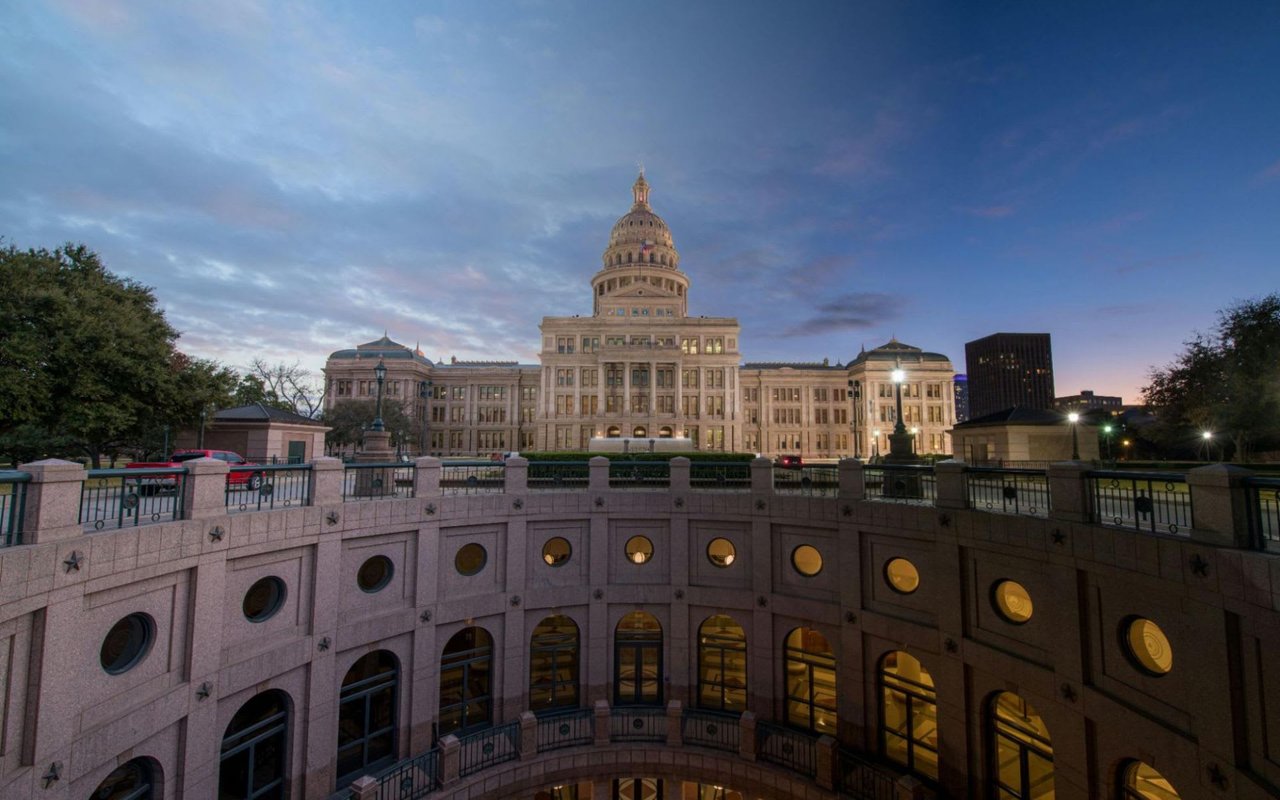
column 294, row 178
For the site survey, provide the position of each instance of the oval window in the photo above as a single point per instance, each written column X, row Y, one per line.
column 127, row 643
column 807, row 560
column 264, row 599
column 1012, row 601
column 902, row 575
column 1147, row 646
column 721, row 552
column 556, row 551
column 470, row 559
column 639, row 549
column 375, row 574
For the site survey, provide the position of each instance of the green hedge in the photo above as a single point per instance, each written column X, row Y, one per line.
column 616, row 457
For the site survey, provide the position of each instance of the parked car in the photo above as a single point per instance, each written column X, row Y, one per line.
column 241, row 478
column 789, row 462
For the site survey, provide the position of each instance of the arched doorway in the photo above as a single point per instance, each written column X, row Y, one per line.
column 553, row 664
column 367, row 716
column 254, row 750
column 637, row 660
column 722, row 665
column 664, row 432
column 908, row 714
column 132, row 780
column 640, row 432
column 613, row 432
column 809, row 667
column 1021, row 748
column 466, row 682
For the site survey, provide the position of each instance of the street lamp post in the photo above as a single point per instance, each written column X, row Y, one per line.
column 855, row 393
column 200, row 445
column 901, row 441
column 914, row 449
column 380, row 372
column 424, row 391
column 1208, row 445
column 1106, row 439
column 1074, row 419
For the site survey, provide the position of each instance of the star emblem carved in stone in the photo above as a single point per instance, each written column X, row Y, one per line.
column 73, row 561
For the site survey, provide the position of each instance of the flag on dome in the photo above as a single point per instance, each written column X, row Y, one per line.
column 648, row 245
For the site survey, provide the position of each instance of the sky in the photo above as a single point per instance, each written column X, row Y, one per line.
column 294, row 178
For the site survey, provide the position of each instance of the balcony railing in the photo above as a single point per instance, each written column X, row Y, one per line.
column 486, row 748
column 639, row 474
column 410, row 779
column 1158, row 502
column 13, row 503
column 811, row 481
column 788, row 748
column 1009, row 491
column 123, row 498
column 472, row 477
column 565, row 729
column 1264, row 511
column 372, row 481
column 904, row 483
column 258, row 487
column 714, row 729
column 729, row 476
column 638, row 725
column 559, row 475
column 860, row 778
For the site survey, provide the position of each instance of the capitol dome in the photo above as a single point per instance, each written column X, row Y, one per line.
column 640, row 235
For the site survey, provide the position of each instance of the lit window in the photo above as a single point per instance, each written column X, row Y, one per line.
column 721, row 552
column 810, row 669
column 1012, row 601
column 1023, row 750
column 470, row 559
column 902, row 575
column 807, row 560
column 908, row 714
column 556, row 551
column 722, row 664
column 1141, row 782
column 1147, row 646
column 639, row 549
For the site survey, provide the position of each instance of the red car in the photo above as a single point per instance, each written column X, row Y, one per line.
column 789, row 462
column 237, row 477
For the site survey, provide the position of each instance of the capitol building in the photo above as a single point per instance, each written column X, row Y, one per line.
column 640, row 365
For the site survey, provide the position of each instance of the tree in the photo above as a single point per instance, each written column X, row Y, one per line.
column 348, row 419
column 286, row 386
column 1226, row 382
column 87, row 359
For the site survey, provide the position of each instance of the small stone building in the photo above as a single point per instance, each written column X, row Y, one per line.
column 1021, row 434
column 261, row 433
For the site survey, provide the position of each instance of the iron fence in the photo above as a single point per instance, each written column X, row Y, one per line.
column 902, row 483
column 565, row 729
column 1009, row 491
column 258, row 487
column 559, row 475
column 812, row 481
column 639, row 474
column 734, row 476
column 638, row 725
column 410, row 779
column 473, row 477
column 121, row 498
column 369, row 481
column 488, row 747
column 788, row 748
column 715, row 729
column 860, row 778
column 1159, row 502
column 1264, row 511
column 13, row 504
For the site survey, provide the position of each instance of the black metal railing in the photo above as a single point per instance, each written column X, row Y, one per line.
column 639, row 474
column 473, row 477
column 715, row 729
column 122, row 498
column 559, row 475
column 371, row 481
column 812, row 481
column 862, row 779
column 787, row 747
column 1009, row 491
column 410, row 779
column 1159, row 502
column 638, row 725
column 900, row 484
column 1264, row 511
column 13, row 505
column 258, row 487
column 565, row 729
column 712, row 476
column 485, row 748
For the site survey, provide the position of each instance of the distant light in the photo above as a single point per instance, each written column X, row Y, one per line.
column 914, row 431
column 1106, row 429
column 1073, row 417
column 1125, row 442
column 898, row 376
column 1207, row 435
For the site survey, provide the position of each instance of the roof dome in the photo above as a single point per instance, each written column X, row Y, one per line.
column 640, row 233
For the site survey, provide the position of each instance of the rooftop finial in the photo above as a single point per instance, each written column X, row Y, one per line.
column 640, row 189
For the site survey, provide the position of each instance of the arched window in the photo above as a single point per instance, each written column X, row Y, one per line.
column 367, row 716
column 553, row 664
column 640, row 432
column 664, row 432
column 132, row 780
column 466, row 682
column 637, row 789
column 810, row 669
column 254, row 750
column 1141, row 782
column 722, row 665
column 629, row 258
column 614, row 432
column 908, row 714
column 1021, row 748
column 637, row 660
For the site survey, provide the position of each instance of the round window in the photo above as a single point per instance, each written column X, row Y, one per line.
column 1147, row 646
column 807, row 560
column 902, row 575
column 264, row 599
column 1012, row 601
column 375, row 574
column 556, row 551
column 470, row 559
column 127, row 643
column 639, row 549
column 720, row 551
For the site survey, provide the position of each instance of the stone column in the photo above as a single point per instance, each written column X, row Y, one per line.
column 675, row 731
column 598, row 480
column 826, row 762
column 528, row 735
column 602, row 719
column 681, row 468
column 364, row 788
column 516, row 476
column 761, row 476
column 747, row 736
column 326, row 481
column 1069, row 496
column 52, row 506
column 851, row 485
column 1220, row 505
column 204, row 493
column 426, row 477
column 953, row 484
column 449, row 759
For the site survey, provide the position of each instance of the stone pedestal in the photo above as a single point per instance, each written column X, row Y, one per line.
column 376, row 482
column 52, row 507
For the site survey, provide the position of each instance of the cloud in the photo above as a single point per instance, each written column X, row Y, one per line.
column 1268, row 174
column 853, row 311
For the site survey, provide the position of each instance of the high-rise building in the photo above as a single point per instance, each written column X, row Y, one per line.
column 1088, row 401
column 1009, row 369
column 961, row 384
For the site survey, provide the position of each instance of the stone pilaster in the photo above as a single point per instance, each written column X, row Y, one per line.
column 1070, row 498
column 326, row 481
column 204, row 493
column 426, row 477
column 952, row 484
column 851, row 483
column 601, row 711
column 675, row 731
column 599, row 474
column 761, row 476
column 52, row 510
column 747, row 736
column 516, row 476
column 1220, row 505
